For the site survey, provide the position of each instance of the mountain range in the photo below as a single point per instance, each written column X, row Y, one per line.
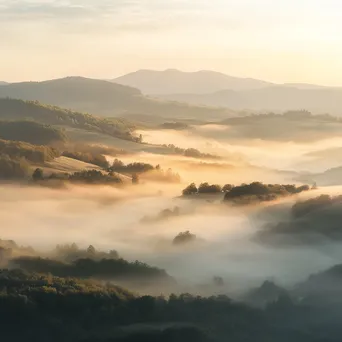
column 209, row 88
column 275, row 98
column 173, row 81
column 172, row 94
column 104, row 98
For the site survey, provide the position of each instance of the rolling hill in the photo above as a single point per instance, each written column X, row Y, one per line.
column 274, row 98
column 21, row 110
column 174, row 81
column 3, row 83
column 103, row 98
column 31, row 132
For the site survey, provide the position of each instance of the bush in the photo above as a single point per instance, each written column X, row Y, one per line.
column 183, row 238
column 190, row 190
column 13, row 168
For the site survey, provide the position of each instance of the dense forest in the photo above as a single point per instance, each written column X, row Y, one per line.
column 145, row 171
column 189, row 152
column 244, row 193
column 32, row 153
column 314, row 222
column 68, row 309
column 31, row 132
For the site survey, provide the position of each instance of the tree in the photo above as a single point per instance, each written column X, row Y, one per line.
column 190, row 190
column 91, row 250
column 227, row 187
column 218, row 281
column 38, row 174
column 184, row 237
column 135, row 178
column 206, row 188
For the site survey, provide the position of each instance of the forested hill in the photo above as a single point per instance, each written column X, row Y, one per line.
column 31, row 132
column 11, row 109
column 103, row 98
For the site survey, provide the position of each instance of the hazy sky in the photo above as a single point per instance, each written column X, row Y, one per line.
column 276, row 40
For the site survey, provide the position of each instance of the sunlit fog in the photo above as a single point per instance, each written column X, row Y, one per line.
column 170, row 170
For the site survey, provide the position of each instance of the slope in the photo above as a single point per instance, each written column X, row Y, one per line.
column 18, row 110
column 275, row 98
column 175, row 81
column 103, row 98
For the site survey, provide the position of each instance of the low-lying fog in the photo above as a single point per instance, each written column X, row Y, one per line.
column 112, row 219
column 128, row 219
column 281, row 155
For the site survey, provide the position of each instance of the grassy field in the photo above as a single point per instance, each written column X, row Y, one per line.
column 69, row 165
column 98, row 138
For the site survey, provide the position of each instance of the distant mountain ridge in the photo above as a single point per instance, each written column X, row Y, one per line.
column 103, row 98
column 209, row 88
column 3, row 83
column 275, row 98
column 174, row 81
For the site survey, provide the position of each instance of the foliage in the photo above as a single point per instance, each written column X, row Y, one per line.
column 163, row 215
column 314, row 222
column 137, row 168
column 135, row 178
column 13, row 168
column 206, row 188
column 91, row 158
column 160, row 175
column 313, row 204
column 82, row 177
column 31, row 132
column 184, row 238
column 259, row 192
column 104, row 269
column 190, row 190
column 45, row 307
column 246, row 193
column 227, row 187
column 71, row 252
column 189, row 152
column 38, row 175
column 145, row 171
column 32, row 153
column 11, row 109
column 94, row 177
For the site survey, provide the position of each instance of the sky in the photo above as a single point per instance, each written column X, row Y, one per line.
column 274, row 40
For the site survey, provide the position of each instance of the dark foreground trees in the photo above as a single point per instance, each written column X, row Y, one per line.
column 41, row 308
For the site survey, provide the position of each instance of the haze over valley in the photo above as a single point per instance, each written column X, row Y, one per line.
column 170, row 171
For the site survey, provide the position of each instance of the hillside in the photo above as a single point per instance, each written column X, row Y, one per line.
column 175, row 81
column 329, row 177
column 274, row 98
column 291, row 126
column 31, row 132
column 3, row 83
column 18, row 110
column 314, row 221
column 32, row 153
column 103, row 98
